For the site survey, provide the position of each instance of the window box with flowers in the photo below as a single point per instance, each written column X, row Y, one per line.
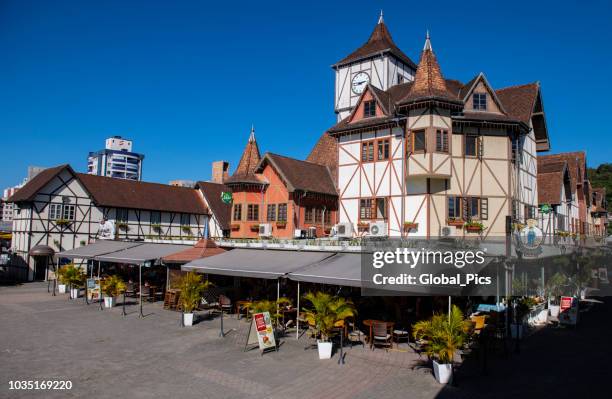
column 63, row 222
column 123, row 226
column 186, row 229
column 156, row 227
column 563, row 234
column 517, row 226
column 254, row 227
column 408, row 226
column 235, row 226
column 455, row 222
column 473, row 227
column 281, row 224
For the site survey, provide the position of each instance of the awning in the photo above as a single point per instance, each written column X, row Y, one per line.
column 98, row 248
column 341, row 269
column 41, row 250
column 140, row 253
column 256, row 263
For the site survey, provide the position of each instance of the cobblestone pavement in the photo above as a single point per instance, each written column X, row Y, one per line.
column 106, row 355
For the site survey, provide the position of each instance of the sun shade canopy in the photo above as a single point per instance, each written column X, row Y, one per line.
column 141, row 253
column 256, row 263
column 341, row 269
column 98, row 248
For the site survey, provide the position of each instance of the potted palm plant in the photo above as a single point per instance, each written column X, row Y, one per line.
column 75, row 278
column 112, row 287
column 271, row 307
column 326, row 311
column 192, row 287
column 442, row 336
column 61, row 278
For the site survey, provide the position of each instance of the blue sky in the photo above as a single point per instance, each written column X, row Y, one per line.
column 186, row 79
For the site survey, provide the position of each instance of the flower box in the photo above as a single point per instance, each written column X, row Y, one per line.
column 63, row 222
column 455, row 222
column 473, row 229
column 410, row 226
column 254, row 227
column 235, row 226
column 281, row 224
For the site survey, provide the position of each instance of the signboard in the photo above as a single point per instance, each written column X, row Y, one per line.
column 545, row 208
column 106, row 230
column 226, row 197
column 261, row 332
column 568, row 310
column 93, row 289
column 603, row 275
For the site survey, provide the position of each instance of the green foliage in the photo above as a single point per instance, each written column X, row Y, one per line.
column 326, row 311
column 602, row 177
column 113, row 286
column 71, row 275
column 443, row 334
column 555, row 284
column 192, row 287
column 270, row 307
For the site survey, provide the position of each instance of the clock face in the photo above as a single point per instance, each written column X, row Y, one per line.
column 359, row 82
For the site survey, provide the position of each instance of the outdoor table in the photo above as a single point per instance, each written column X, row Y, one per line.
column 369, row 322
column 289, row 311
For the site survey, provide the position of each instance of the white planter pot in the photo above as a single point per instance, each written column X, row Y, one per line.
column 443, row 372
column 188, row 319
column 61, row 288
column 109, row 301
column 75, row 292
column 542, row 316
column 554, row 310
column 325, row 349
column 513, row 331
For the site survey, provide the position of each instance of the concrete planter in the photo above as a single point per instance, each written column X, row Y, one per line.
column 61, row 288
column 109, row 301
column 188, row 319
column 325, row 349
column 443, row 372
column 554, row 310
column 75, row 293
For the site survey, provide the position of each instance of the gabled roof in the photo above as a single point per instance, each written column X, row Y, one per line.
column 471, row 85
column 325, row 152
column 121, row 193
column 202, row 249
column 245, row 171
column 32, row 187
column 300, row 175
column 576, row 164
column 599, row 194
column 212, row 194
column 552, row 176
column 519, row 100
column 380, row 41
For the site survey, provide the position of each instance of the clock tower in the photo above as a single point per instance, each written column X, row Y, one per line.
column 378, row 62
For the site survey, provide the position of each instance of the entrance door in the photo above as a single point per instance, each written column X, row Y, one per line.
column 40, row 267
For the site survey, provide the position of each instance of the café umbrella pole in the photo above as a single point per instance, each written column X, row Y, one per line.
column 140, row 288
column 297, row 318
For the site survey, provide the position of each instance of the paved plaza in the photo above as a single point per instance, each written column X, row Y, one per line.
column 106, row 355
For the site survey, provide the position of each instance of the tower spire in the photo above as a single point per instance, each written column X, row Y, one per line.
column 427, row 45
column 380, row 18
column 252, row 135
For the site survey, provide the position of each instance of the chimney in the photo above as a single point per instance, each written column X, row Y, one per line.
column 220, row 171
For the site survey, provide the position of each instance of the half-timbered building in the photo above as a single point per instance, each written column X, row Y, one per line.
column 63, row 209
column 428, row 155
column 599, row 211
column 555, row 199
column 284, row 194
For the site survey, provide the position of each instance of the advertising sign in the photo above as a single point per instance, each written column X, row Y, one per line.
column 568, row 310
column 93, row 289
column 265, row 332
column 226, row 197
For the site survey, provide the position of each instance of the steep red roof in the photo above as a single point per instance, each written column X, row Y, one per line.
column 380, row 41
column 325, row 152
column 245, row 171
column 519, row 100
column 28, row 192
column 202, row 249
column 576, row 164
column 301, row 175
column 551, row 175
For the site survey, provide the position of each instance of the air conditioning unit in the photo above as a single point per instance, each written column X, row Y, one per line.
column 265, row 230
column 344, row 230
column 378, row 229
column 299, row 233
column 448, row 231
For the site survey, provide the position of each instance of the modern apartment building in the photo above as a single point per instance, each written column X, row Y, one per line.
column 116, row 160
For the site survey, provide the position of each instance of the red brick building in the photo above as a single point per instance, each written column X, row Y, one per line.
column 281, row 192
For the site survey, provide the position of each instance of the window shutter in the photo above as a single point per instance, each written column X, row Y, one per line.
column 484, row 208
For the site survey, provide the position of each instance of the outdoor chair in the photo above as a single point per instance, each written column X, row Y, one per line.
column 355, row 335
column 399, row 335
column 146, row 293
column 225, row 304
column 130, row 290
column 381, row 336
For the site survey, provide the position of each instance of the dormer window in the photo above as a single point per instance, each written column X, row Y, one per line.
column 480, row 101
column 369, row 109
